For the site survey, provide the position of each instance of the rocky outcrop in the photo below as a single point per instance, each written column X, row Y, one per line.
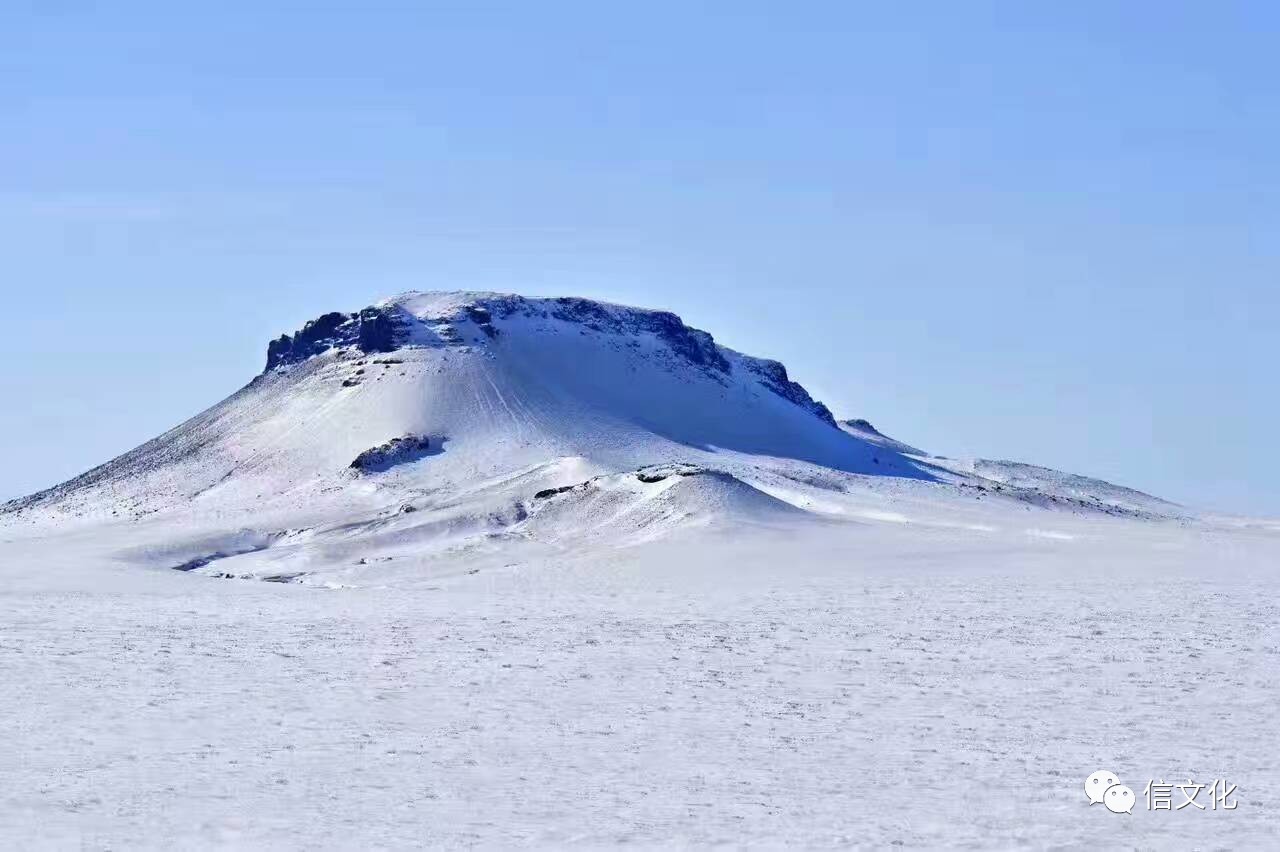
column 483, row 319
column 563, row 489
column 657, row 473
column 407, row 448
column 694, row 345
column 379, row 330
column 370, row 330
column 863, row 425
column 773, row 375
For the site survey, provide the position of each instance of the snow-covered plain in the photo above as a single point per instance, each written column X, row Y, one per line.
column 632, row 588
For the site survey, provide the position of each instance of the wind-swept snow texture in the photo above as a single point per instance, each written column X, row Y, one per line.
column 470, row 569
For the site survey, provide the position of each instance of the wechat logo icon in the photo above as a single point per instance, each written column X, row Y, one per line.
column 1103, row 787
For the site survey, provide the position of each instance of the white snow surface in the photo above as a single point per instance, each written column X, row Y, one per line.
column 634, row 591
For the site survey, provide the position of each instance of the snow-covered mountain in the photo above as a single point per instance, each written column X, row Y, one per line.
column 556, row 573
column 440, row 422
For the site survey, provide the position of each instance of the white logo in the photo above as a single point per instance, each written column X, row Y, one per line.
column 1095, row 786
column 1105, row 787
column 1119, row 799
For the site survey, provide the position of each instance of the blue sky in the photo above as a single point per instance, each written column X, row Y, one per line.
column 1034, row 231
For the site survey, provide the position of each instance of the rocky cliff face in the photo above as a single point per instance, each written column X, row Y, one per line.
column 773, row 375
column 374, row 329
column 694, row 345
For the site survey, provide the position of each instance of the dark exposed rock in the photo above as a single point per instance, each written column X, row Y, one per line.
column 551, row 492
column 563, row 489
column 773, row 375
column 316, row 336
column 377, row 332
column 692, row 344
column 657, row 473
column 396, row 451
column 370, row 330
column 482, row 318
column 864, row 425
column 584, row 311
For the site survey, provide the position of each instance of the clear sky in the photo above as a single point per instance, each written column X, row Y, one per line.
column 1037, row 231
